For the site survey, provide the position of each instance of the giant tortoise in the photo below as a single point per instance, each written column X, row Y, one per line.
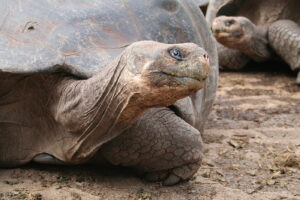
column 257, row 30
column 98, row 81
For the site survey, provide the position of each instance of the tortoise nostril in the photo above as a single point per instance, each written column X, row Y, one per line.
column 205, row 56
column 204, row 59
column 30, row 28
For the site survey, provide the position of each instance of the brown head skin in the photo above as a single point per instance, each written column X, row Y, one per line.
column 232, row 31
column 165, row 72
column 241, row 34
column 68, row 118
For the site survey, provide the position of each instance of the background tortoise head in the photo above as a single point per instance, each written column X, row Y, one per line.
column 171, row 65
column 232, row 30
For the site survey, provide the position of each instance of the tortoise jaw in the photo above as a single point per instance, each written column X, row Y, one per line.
column 178, row 76
column 186, row 78
column 197, row 70
column 188, row 74
column 224, row 33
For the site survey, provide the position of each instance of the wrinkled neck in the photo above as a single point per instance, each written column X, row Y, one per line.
column 257, row 46
column 89, row 110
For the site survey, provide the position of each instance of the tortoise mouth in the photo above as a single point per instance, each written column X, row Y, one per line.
column 184, row 78
column 223, row 33
column 191, row 73
column 188, row 72
column 173, row 80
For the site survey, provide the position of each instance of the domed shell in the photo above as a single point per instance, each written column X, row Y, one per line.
column 81, row 36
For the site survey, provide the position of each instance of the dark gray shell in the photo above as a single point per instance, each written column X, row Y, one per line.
column 261, row 13
column 81, row 36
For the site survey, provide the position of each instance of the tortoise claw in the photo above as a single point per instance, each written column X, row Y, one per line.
column 167, row 178
column 173, row 176
column 172, row 180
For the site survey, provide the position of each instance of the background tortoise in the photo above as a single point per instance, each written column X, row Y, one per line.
column 254, row 29
column 54, row 52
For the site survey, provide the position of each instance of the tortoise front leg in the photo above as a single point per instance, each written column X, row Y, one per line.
column 231, row 58
column 284, row 37
column 160, row 145
column 45, row 158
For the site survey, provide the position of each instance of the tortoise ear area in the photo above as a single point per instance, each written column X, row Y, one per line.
column 136, row 63
column 143, row 57
column 244, row 22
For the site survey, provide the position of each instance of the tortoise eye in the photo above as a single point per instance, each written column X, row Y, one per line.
column 229, row 23
column 176, row 53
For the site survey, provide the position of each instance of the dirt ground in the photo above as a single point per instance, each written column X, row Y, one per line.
column 252, row 152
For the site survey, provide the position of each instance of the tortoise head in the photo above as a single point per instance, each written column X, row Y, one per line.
column 158, row 66
column 167, row 71
column 232, row 31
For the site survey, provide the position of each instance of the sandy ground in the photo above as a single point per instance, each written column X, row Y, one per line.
column 252, row 152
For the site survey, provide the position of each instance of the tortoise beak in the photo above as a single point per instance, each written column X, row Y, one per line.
column 204, row 60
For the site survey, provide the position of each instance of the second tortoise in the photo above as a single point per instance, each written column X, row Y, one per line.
column 257, row 30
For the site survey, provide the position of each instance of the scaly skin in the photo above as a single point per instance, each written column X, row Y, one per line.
column 284, row 37
column 161, row 144
column 231, row 58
